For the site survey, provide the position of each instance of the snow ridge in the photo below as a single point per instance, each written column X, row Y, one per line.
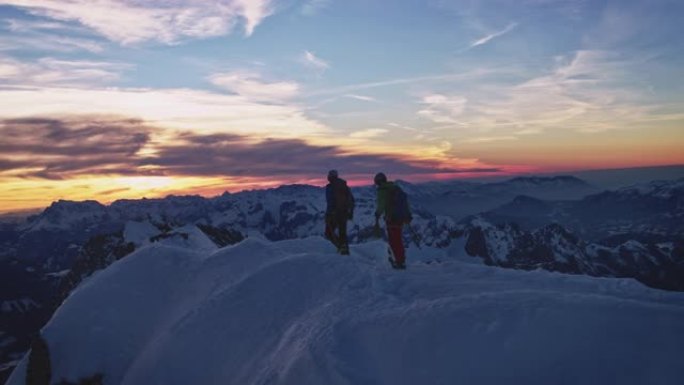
column 294, row 312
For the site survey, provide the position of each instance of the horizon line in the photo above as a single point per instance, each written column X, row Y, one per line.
column 483, row 179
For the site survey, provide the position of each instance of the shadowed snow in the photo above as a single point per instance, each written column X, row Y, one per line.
column 294, row 312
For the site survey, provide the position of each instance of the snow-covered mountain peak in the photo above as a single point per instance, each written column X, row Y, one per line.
column 295, row 189
column 139, row 232
column 294, row 312
column 560, row 180
column 663, row 189
column 63, row 214
column 63, row 205
column 188, row 237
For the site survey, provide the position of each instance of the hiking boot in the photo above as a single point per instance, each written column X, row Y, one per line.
column 395, row 264
column 344, row 250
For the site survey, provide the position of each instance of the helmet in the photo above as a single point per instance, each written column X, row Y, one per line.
column 380, row 178
column 332, row 175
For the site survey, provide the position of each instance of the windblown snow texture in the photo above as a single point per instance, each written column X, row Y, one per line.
column 294, row 312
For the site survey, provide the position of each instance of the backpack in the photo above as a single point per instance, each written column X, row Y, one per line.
column 398, row 206
column 343, row 198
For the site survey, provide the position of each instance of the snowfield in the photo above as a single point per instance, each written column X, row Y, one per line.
column 295, row 312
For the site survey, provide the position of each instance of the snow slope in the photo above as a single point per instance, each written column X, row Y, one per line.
column 294, row 312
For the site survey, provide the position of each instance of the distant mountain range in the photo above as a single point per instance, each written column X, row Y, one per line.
column 652, row 212
column 459, row 199
column 554, row 223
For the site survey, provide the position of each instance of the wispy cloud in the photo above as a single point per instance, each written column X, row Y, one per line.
column 402, row 126
column 251, row 85
column 310, row 60
column 443, row 109
column 361, row 97
column 205, row 112
column 312, row 7
column 18, row 25
column 252, row 11
column 447, row 77
column 50, row 71
column 487, row 38
column 489, row 139
column 49, row 44
column 369, row 133
column 155, row 20
column 584, row 92
column 47, row 36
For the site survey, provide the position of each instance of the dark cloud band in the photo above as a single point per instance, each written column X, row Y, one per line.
column 64, row 148
column 59, row 148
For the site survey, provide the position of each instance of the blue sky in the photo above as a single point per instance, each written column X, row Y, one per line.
column 425, row 89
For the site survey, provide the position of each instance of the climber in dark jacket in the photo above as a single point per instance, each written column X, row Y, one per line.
column 340, row 209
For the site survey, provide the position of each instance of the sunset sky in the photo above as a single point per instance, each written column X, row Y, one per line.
column 109, row 99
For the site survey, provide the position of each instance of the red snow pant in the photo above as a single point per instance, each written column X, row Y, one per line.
column 396, row 242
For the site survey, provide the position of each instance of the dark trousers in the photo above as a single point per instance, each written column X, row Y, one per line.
column 336, row 230
column 396, row 242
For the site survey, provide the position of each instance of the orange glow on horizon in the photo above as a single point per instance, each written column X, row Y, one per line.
column 19, row 194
